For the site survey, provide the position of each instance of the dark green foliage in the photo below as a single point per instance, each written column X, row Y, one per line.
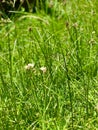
column 5, row 7
column 28, row 5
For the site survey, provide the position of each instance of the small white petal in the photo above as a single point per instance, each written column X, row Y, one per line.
column 43, row 69
column 29, row 66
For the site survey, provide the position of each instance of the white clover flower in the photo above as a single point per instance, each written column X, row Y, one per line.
column 43, row 69
column 29, row 66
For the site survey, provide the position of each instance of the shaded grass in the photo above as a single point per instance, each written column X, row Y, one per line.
column 65, row 97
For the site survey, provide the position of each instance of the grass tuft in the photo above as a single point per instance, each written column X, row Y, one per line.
column 49, row 69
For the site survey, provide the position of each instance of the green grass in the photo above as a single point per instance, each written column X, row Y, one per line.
column 65, row 96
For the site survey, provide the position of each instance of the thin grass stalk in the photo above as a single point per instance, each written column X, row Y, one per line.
column 69, row 87
column 70, row 90
column 10, row 55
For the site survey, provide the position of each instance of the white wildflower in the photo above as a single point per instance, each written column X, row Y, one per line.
column 29, row 66
column 43, row 69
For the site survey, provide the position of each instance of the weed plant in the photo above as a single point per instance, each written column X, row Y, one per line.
column 49, row 69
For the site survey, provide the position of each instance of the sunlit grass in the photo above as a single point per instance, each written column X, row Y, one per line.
column 49, row 69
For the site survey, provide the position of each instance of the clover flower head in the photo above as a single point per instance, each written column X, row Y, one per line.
column 29, row 66
column 43, row 69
